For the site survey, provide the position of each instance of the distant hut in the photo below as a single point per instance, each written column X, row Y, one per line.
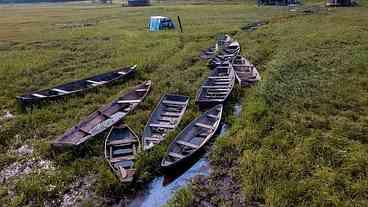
column 340, row 3
column 277, row 2
column 139, row 2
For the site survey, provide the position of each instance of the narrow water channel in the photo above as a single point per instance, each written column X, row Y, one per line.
column 160, row 190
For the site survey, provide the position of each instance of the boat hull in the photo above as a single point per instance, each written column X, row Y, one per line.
column 29, row 99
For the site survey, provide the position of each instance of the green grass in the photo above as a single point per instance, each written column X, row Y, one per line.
column 39, row 51
column 302, row 136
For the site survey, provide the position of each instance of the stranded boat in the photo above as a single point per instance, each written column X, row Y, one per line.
column 75, row 87
column 163, row 119
column 192, row 138
column 121, row 148
column 217, row 88
column 104, row 118
column 246, row 73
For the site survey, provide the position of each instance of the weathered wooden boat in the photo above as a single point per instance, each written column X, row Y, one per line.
column 246, row 73
column 165, row 118
column 224, row 40
column 221, row 59
column 232, row 48
column 121, row 148
column 217, row 88
column 104, row 118
column 75, row 87
column 192, row 139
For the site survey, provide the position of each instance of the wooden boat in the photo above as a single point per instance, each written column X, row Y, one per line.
column 232, row 48
column 121, row 148
column 163, row 119
column 220, row 59
column 217, row 88
column 75, row 87
column 192, row 138
column 246, row 73
column 104, row 118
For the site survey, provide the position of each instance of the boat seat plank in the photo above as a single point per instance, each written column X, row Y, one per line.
column 224, row 87
column 122, row 151
column 172, row 114
column 141, row 90
column 176, row 155
column 217, row 89
column 188, row 144
column 60, row 91
column 162, row 126
column 212, row 116
column 174, row 102
column 152, row 139
column 117, row 159
column 129, row 101
column 122, row 141
column 96, row 82
column 122, row 73
column 38, row 95
column 204, row 126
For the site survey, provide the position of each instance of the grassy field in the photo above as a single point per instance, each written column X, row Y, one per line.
column 300, row 141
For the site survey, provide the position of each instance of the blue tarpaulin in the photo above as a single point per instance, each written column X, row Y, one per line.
column 158, row 23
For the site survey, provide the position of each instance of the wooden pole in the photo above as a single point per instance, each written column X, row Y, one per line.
column 181, row 28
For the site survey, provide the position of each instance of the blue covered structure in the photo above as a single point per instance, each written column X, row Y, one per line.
column 158, row 23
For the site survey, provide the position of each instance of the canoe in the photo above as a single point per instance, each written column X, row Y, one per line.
column 75, row 87
column 217, row 88
column 104, row 118
column 221, row 59
column 192, row 139
column 246, row 73
column 232, row 48
column 165, row 118
column 121, row 148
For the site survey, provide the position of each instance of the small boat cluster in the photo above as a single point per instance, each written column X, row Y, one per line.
column 122, row 145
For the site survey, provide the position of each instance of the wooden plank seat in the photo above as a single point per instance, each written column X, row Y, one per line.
column 212, row 99
column 84, row 130
column 38, row 95
column 60, row 91
column 122, row 151
column 168, row 126
column 212, row 116
column 204, row 126
column 217, row 87
column 129, row 101
column 122, row 141
column 216, row 93
column 95, row 82
column 188, row 144
column 141, row 90
column 122, row 73
column 177, row 110
column 217, row 77
column 104, row 114
column 117, row 159
column 173, row 102
column 170, row 114
column 176, row 155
